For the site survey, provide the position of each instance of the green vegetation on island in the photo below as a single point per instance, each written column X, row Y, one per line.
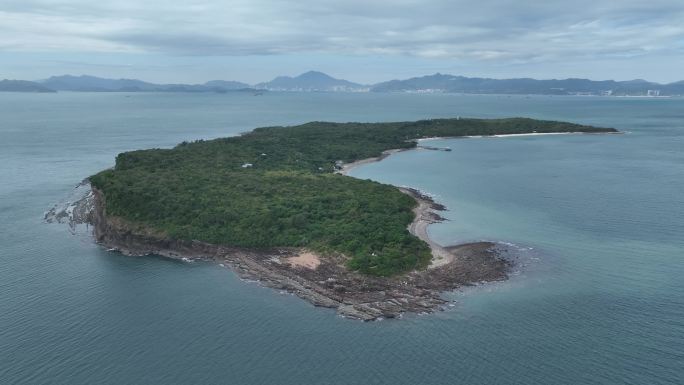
column 276, row 187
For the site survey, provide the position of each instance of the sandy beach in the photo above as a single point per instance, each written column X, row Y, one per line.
column 514, row 135
column 347, row 167
column 425, row 216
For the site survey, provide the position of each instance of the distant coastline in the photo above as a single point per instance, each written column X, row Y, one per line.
column 315, row 81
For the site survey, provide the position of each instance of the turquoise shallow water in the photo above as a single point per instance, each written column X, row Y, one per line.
column 599, row 298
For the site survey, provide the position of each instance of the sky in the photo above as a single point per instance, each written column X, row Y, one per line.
column 365, row 41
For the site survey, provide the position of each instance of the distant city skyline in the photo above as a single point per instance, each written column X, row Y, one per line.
column 365, row 42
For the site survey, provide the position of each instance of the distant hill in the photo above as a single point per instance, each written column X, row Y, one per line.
column 95, row 84
column 22, row 86
column 460, row 84
column 227, row 84
column 311, row 81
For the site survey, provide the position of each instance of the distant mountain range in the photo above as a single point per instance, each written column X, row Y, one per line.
column 95, row 84
column 314, row 81
column 459, row 84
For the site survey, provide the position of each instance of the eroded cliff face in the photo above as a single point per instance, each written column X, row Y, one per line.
column 129, row 239
column 101, row 229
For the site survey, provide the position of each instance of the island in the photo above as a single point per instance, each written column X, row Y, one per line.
column 275, row 205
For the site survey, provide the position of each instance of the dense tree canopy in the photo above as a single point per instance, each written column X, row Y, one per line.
column 276, row 187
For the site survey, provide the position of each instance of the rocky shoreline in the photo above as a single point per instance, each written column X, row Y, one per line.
column 327, row 282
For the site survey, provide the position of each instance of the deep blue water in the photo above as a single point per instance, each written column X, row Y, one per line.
column 599, row 298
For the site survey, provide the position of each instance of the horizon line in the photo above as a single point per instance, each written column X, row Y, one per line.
column 361, row 84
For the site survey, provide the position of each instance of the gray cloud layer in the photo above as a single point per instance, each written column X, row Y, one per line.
column 514, row 31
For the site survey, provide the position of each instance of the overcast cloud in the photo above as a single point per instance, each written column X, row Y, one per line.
column 505, row 37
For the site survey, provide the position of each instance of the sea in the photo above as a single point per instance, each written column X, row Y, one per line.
column 597, row 222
